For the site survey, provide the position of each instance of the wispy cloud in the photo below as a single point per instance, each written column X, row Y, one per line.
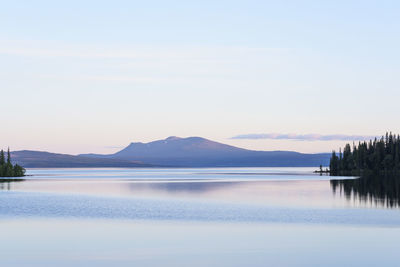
column 304, row 137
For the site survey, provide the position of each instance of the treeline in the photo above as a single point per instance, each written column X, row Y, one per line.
column 376, row 156
column 7, row 169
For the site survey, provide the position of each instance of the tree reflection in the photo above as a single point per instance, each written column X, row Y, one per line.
column 376, row 190
column 5, row 184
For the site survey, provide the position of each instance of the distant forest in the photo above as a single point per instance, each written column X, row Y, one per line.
column 376, row 156
column 7, row 169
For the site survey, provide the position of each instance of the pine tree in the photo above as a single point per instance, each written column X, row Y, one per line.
column 7, row 169
column 376, row 156
column 333, row 165
column 2, row 158
column 8, row 156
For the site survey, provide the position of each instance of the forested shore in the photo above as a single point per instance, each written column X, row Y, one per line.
column 7, row 169
column 378, row 156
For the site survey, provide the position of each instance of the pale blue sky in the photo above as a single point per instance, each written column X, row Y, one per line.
column 89, row 76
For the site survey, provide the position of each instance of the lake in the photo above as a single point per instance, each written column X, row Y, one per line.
column 197, row 217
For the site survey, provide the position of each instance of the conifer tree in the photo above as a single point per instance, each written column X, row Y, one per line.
column 2, row 158
column 7, row 169
column 377, row 156
column 8, row 156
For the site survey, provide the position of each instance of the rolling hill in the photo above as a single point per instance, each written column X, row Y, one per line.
column 39, row 159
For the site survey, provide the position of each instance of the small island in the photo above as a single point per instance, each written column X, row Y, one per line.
column 378, row 157
column 7, row 169
column 321, row 170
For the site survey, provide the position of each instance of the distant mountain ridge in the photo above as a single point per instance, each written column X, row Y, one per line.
column 40, row 159
column 200, row 152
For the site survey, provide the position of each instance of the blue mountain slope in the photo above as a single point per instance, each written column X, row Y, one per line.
column 201, row 152
column 39, row 159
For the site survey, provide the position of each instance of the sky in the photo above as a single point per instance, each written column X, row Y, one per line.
column 93, row 76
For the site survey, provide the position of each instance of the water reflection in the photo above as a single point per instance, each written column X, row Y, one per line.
column 5, row 184
column 381, row 191
column 185, row 187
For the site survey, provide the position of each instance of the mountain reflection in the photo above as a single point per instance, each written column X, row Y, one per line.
column 198, row 187
column 383, row 191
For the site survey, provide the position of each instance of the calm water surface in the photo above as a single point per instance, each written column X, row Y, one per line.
column 201, row 217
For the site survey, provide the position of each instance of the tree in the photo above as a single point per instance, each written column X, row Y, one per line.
column 7, row 169
column 377, row 156
column 333, row 164
column 8, row 156
column 2, row 158
column 18, row 171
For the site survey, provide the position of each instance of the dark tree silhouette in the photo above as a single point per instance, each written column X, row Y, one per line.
column 7, row 169
column 376, row 156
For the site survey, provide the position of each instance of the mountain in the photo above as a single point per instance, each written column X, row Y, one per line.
column 201, row 152
column 38, row 159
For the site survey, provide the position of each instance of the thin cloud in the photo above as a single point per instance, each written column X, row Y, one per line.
column 304, row 137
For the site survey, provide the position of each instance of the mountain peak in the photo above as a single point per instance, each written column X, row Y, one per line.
column 197, row 151
column 172, row 138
